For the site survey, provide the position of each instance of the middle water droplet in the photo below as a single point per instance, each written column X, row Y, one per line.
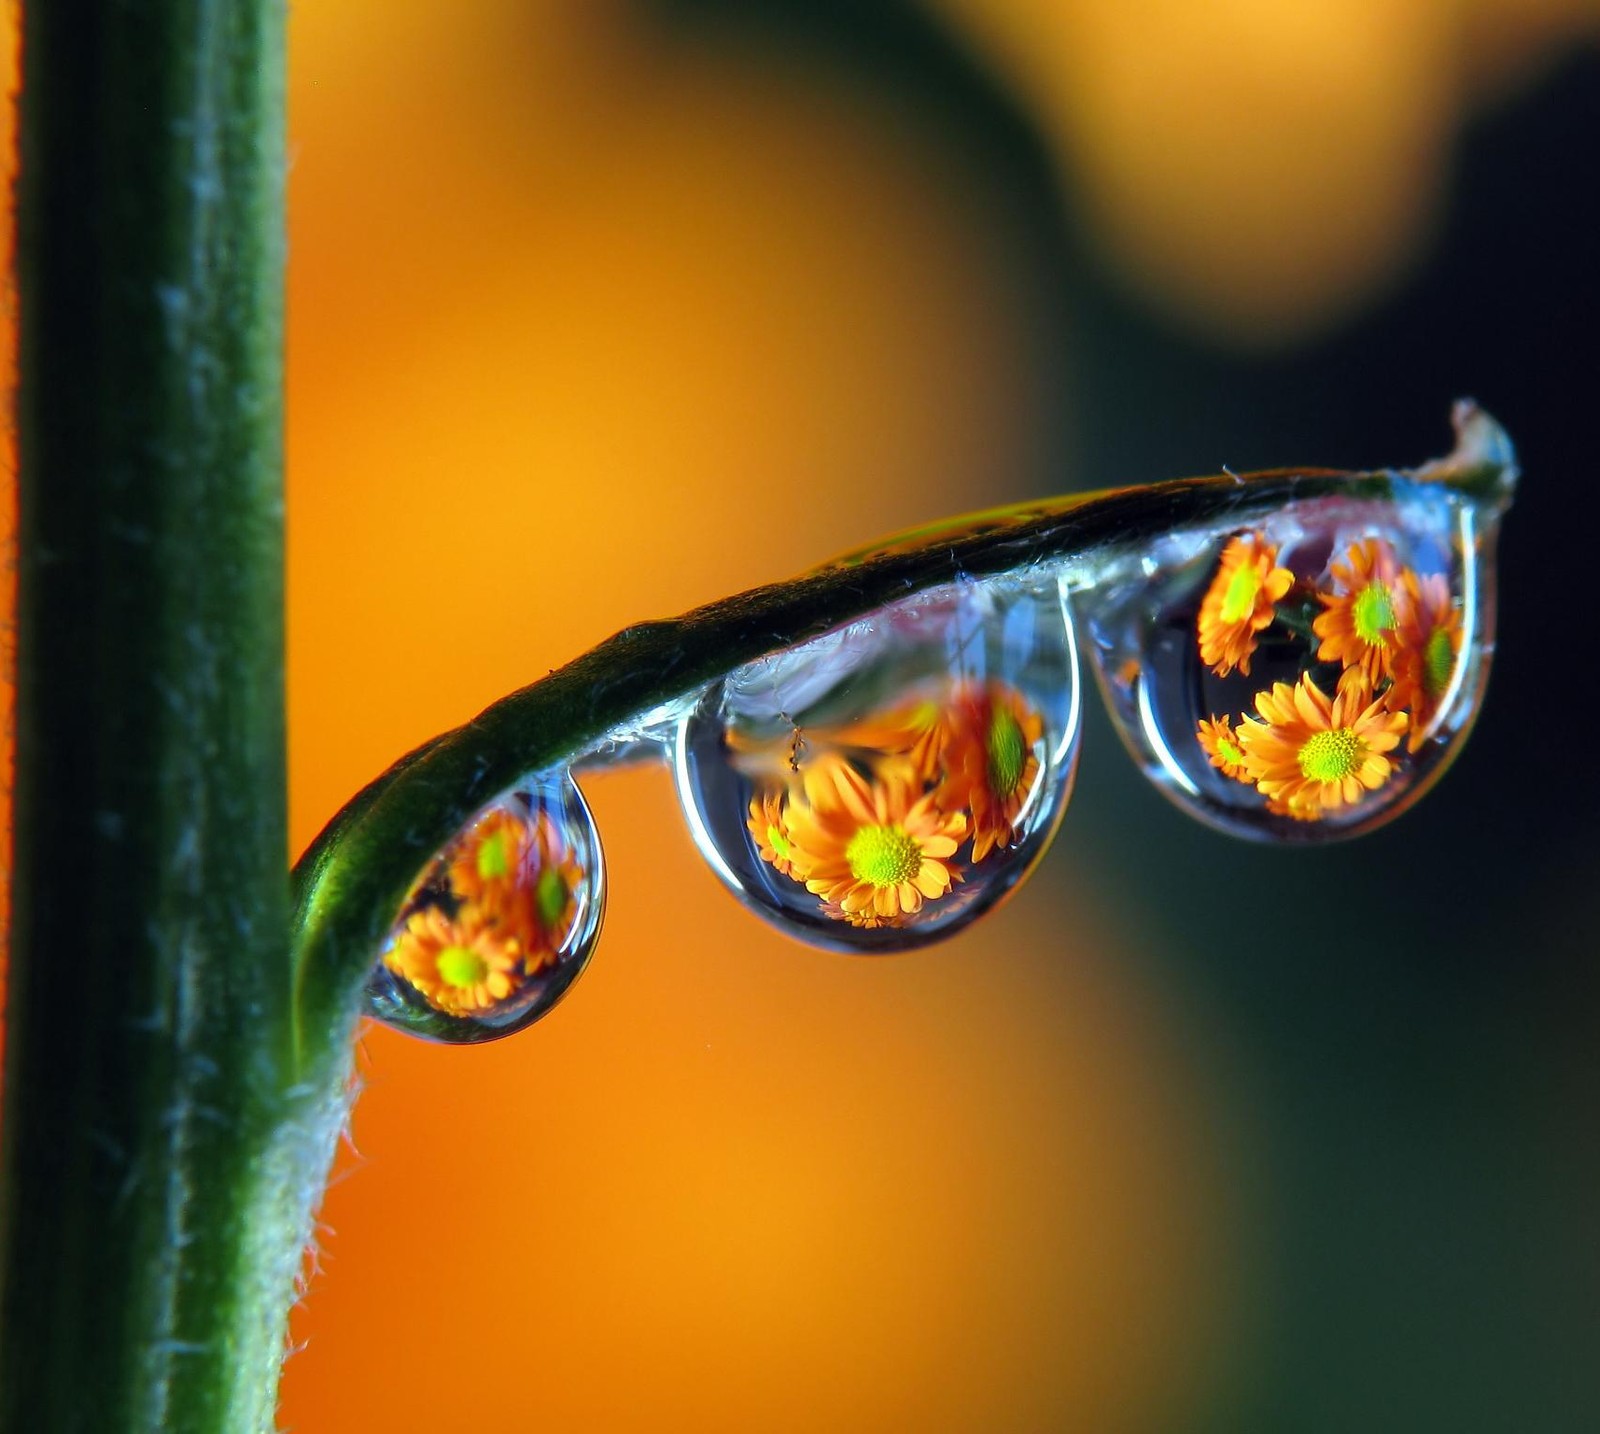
column 884, row 784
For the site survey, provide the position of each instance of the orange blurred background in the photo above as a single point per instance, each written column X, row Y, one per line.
column 602, row 310
column 615, row 322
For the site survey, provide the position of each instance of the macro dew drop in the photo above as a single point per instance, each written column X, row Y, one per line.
column 1309, row 673
column 501, row 921
column 882, row 785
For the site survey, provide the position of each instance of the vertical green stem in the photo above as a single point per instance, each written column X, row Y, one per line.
column 163, row 1138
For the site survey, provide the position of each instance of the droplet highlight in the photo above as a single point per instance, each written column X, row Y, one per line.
column 884, row 784
column 501, row 921
column 1307, row 674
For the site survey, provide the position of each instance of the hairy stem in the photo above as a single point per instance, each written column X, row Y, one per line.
column 164, row 1134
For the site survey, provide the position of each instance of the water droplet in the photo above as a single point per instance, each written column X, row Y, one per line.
column 1308, row 674
column 882, row 785
column 501, row 921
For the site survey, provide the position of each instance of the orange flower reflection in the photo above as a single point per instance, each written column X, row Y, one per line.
column 913, row 734
column 460, row 965
column 487, row 865
column 1310, row 751
column 875, row 851
column 1427, row 641
column 769, row 829
column 991, row 763
column 1298, row 811
column 1358, row 625
column 513, row 888
column 1221, row 745
column 1240, row 603
column 555, row 878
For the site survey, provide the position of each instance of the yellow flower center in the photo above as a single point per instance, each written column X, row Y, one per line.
column 883, row 856
column 1240, row 599
column 1438, row 661
column 1229, row 752
column 461, row 967
column 1373, row 614
column 778, row 842
column 1330, row 756
column 1007, row 752
column 494, row 861
column 551, row 897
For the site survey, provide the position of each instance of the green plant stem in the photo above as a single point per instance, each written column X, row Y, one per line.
column 164, row 1135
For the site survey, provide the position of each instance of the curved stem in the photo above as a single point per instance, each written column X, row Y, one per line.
column 356, row 875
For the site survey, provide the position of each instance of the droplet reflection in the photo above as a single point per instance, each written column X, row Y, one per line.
column 500, row 923
column 884, row 784
column 1310, row 674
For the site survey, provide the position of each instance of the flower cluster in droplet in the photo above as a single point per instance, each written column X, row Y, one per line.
column 883, row 818
column 1386, row 639
column 491, row 912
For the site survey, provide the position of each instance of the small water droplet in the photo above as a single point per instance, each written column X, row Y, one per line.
column 884, row 784
column 1309, row 674
column 500, row 923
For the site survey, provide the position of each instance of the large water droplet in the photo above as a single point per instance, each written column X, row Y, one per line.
column 501, row 921
column 882, row 785
column 1308, row 674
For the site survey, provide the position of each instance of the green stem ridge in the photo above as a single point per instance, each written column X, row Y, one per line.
column 355, row 876
column 164, row 1137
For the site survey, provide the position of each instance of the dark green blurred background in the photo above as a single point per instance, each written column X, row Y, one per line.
column 1413, row 1016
